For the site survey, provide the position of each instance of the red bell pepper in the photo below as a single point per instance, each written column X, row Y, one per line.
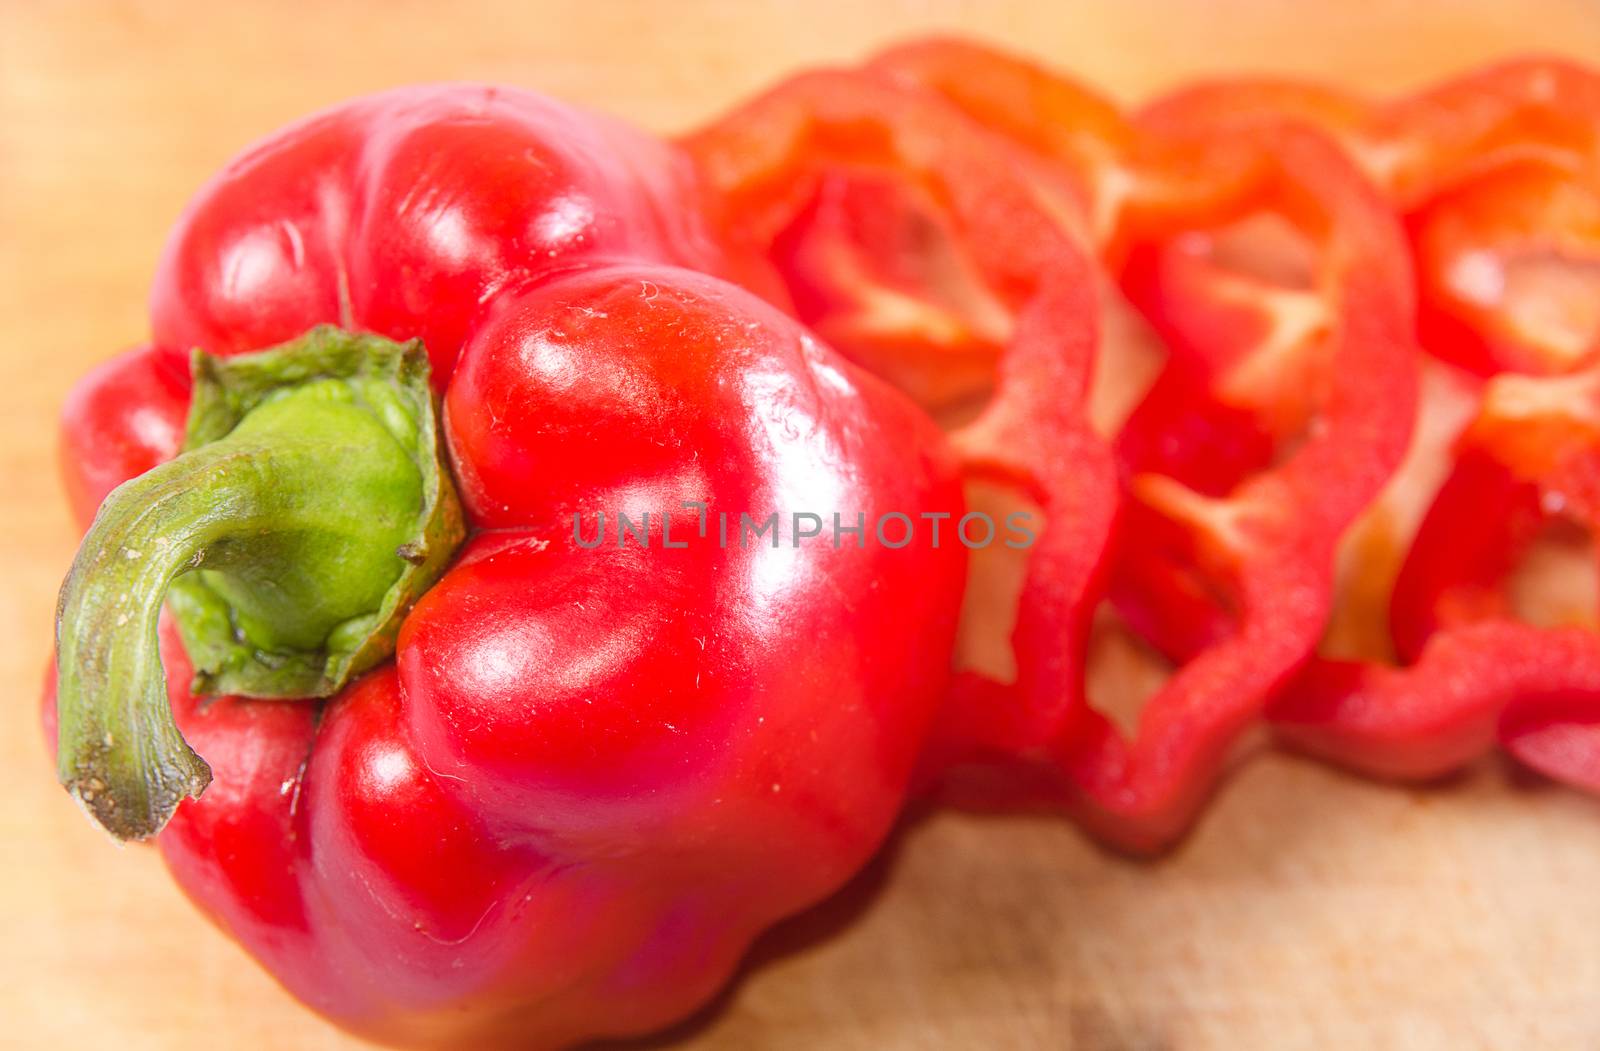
column 590, row 774
column 1234, row 493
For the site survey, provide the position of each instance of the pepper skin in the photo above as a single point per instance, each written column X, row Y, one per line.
column 590, row 776
column 119, row 421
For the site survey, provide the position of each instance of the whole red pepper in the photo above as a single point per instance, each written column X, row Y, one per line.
column 592, row 771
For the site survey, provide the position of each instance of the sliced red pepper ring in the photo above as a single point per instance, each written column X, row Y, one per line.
column 1531, row 689
column 1078, row 140
column 1509, row 268
column 1416, row 146
column 1496, row 612
column 1489, row 171
column 869, row 265
column 875, row 252
column 1084, row 158
column 1524, row 109
column 874, row 266
column 1285, row 405
column 1033, row 437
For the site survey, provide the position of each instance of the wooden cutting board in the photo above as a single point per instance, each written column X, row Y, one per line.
column 1310, row 911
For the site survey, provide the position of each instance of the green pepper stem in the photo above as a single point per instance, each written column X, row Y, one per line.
column 310, row 512
column 122, row 756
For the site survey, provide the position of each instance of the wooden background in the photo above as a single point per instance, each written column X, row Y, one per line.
column 1311, row 911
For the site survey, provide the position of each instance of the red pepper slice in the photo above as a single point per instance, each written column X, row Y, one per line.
column 1510, row 270
column 1484, row 170
column 1493, row 613
column 1496, row 174
column 1081, row 137
column 769, row 159
column 1285, row 403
